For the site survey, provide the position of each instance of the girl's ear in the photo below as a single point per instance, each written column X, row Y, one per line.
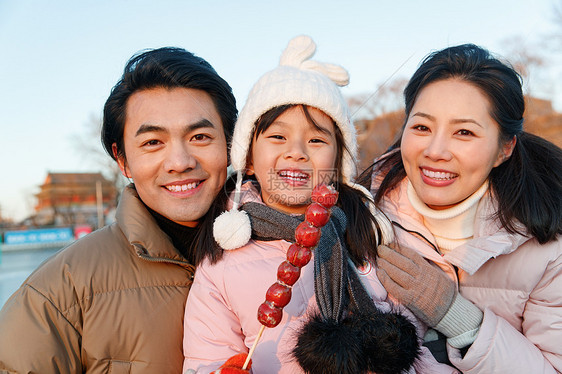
column 121, row 161
column 249, row 163
column 250, row 168
column 506, row 151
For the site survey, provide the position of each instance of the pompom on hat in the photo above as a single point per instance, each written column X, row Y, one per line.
column 301, row 81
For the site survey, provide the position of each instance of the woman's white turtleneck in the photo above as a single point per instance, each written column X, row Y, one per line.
column 453, row 226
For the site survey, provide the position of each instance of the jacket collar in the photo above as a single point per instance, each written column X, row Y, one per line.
column 490, row 238
column 142, row 231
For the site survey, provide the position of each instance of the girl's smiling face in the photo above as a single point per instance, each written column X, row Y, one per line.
column 450, row 143
column 292, row 156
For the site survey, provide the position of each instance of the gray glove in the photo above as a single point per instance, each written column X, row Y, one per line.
column 418, row 284
column 429, row 293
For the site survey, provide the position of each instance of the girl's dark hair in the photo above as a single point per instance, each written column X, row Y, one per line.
column 361, row 238
column 204, row 244
column 528, row 185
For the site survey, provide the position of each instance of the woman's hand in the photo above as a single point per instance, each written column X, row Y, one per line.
column 429, row 293
column 419, row 285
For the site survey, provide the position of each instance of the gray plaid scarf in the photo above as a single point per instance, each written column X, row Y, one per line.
column 336, row 281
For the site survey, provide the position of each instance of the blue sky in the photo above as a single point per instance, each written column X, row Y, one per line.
column 59, row 59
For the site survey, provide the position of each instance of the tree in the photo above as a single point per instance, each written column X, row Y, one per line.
column 88, row 145
column 378, row 117
column 526, row 59
column 557, row 21
column 386, row 98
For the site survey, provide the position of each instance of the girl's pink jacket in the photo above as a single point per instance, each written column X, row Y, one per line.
column 221, row 311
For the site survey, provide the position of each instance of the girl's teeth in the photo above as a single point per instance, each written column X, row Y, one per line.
column 294, row 175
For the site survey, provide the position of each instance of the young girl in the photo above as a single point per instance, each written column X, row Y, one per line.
column 473, row 193
column 293, row 133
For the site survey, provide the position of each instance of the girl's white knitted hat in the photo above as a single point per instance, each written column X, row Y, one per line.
column 297, row 80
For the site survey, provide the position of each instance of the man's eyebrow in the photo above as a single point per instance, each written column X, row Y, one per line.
column 203, row 123
column 147, row 127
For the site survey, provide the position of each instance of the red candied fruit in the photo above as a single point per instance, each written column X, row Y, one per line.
column 268, row 315
column 317, row 215
column 307, row 235
column 288, row 273
column 325, row 195
column 278, row 295
column 298, row 256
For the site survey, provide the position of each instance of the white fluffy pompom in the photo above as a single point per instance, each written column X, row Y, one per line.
column 232, row 229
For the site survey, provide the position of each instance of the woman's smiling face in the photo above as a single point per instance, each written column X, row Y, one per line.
column 450, row 143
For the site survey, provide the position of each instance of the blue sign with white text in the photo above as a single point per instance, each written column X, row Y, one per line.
column 39, row 236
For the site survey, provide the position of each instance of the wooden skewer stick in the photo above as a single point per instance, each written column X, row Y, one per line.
column 253, row 348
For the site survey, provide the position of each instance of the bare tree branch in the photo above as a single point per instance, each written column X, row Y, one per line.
column 88, row 145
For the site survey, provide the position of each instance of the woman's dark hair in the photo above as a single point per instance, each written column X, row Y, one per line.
column 361, row 238
column 528, row 185
column 166, row 67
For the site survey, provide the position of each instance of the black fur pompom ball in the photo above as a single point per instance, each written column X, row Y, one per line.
column 385, row 343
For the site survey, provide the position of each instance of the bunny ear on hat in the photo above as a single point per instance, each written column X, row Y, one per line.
column 298, row 54
column 336, row 73
column 299, row 49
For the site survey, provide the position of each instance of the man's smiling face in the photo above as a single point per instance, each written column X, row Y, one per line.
column 175, row 151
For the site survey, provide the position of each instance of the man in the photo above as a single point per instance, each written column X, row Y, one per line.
column 113, row 301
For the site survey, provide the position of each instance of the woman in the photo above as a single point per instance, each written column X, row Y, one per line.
column 481, row 200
